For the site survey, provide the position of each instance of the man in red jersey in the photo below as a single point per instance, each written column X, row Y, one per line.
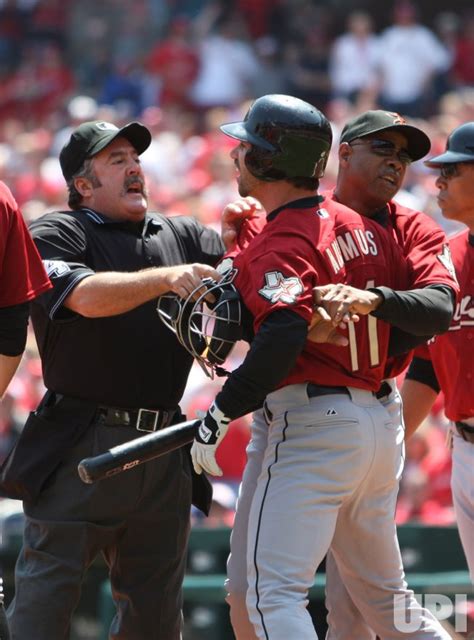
column 369, row 173
column 22, row 278
column 330, row 462
column 445, row 363
column 374, row 153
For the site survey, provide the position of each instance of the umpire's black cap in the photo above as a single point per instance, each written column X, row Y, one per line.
column 91, row 137
column 377, row 120
column 459, row 147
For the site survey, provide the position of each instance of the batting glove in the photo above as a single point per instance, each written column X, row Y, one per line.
column 210, row 433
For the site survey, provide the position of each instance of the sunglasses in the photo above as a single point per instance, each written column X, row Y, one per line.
column 450, row 170
column 385, row 149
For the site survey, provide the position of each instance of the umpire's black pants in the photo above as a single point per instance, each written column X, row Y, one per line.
column 139, row 520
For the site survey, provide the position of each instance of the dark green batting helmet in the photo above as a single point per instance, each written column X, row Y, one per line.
column 290, row 138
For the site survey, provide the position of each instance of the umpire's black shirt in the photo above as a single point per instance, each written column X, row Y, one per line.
column 130, row 360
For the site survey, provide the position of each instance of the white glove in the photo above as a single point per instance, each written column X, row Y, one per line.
column 210, row 433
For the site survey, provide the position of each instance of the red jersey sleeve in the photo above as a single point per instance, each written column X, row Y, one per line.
column 425, row 247
column 422, row 352
column 22, row 276
column 281, row 266
column 452, row 353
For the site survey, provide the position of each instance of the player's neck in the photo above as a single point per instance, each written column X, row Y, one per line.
column 277, row 194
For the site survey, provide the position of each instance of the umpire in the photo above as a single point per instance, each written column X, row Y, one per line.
column 112, row 372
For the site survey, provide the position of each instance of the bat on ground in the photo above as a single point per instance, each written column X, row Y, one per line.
column 130, row 454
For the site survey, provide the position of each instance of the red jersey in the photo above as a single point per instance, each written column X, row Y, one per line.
column 22, row 275
column 425, row 247
column 452, row 353
column 309, row 244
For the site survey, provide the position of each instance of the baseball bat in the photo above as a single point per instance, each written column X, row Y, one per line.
column 130, row 454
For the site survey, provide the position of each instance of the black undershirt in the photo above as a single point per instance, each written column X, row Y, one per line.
column 421, row 312
column 13, row 329
column 422, row 371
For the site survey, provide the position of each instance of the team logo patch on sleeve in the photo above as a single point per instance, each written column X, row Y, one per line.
column 447, row 261
column 278, row 288
column 56, row 267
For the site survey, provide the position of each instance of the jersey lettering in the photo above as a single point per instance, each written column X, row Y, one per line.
column 278, row 288
column 349, row 246
column 464, row 314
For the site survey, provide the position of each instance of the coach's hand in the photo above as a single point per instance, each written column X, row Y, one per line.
column 210, row 433
column 344, row 303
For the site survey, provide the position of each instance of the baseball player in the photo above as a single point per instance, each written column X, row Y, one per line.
column 22, row 278
column 445, row 364
column 331, row 460
column 369, row 176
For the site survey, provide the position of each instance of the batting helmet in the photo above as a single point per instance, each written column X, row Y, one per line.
column 290, row 138
column 207, row 330
column 459, row 147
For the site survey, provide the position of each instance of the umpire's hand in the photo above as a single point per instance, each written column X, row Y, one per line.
column 211, row 432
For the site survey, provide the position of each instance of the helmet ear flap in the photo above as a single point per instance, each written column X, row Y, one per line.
column 260, row 164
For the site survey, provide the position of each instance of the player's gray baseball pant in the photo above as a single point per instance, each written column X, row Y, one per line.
column 462, row 485
column 328, row 476
column 236, row 583
column 344, row 619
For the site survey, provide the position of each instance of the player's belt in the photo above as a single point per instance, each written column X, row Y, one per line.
column 384, row 390
column 140, row 419
column 315, row 390
column 465, row 431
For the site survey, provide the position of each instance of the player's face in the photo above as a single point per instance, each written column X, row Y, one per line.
column 119, row 190
column 246, row 182
column 375, row 167
column 456, row 192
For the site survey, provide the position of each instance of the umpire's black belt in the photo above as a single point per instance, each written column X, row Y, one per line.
column 465, row 431
column 141, row 419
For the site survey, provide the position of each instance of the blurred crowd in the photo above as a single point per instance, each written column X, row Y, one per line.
column 183, row 67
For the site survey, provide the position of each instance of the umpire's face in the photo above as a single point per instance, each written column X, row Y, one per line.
column 118, row 188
